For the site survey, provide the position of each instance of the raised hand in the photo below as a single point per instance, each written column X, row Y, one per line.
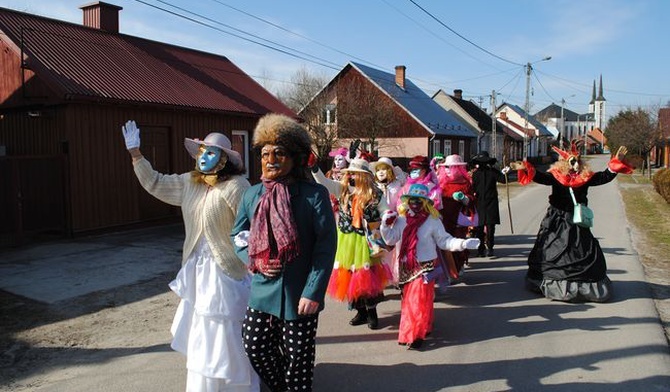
column 389, row 217
column 621, row 153
column 131, row 134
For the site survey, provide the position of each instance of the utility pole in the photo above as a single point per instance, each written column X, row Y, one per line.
column 526, row 108
column 529, row 70
column 494, row 144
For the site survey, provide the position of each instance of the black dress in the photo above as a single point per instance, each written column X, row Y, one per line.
column 566, row 262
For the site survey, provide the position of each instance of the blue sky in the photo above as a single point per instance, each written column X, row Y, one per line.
column 622, row 40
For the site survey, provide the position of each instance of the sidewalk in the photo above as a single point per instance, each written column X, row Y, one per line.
column 490, row 334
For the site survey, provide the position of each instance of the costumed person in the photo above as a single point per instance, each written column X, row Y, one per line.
column 566, row 262
column 340, row 161
column 420, row 173
column 437, row 160
column 285, row 228
column 416, row 227
column 484, row 184
column 390, row 180
column 457, row 200
column 213, row 283
column 359, row 274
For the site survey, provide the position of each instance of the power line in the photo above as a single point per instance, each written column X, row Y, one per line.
column 462, row 37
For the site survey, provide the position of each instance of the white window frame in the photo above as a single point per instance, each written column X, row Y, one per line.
column 447, row 148
column 436, row 146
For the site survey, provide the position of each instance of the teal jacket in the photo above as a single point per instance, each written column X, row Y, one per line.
column 306, row 276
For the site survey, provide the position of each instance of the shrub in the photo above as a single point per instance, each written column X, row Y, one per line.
column 661, row 182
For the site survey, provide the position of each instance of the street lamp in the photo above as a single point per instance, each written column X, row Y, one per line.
column 529, row 69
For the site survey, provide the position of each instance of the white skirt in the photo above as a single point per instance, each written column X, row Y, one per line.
column 207, row 326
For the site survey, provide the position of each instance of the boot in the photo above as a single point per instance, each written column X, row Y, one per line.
column 373, row 321
column 360, row 318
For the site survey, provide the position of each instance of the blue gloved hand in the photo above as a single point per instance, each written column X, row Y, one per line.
column 458, row 196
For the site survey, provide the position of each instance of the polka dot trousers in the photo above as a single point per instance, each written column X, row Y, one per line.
column 281, row 351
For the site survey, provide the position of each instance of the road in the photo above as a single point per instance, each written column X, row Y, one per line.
column 490, row 333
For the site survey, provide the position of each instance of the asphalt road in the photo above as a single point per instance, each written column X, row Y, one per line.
column 490, row 333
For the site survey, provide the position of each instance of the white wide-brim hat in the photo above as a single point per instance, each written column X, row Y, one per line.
column 358, row 165
column 214, row 139
column 453, row 160
column 382, row 160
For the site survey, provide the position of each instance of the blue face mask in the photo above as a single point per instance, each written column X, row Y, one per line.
column 414, row 174
column 209, row 159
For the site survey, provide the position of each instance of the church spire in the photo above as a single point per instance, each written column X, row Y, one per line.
column 600, row 89
column 593, row 94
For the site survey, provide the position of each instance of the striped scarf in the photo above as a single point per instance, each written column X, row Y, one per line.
column 273, row 240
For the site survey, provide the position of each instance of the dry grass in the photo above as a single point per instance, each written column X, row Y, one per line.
column 649, row 216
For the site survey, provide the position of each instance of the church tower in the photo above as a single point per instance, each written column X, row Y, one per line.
column 599, row 106
column 592, row 104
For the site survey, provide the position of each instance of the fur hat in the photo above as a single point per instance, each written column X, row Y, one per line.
column 281, row 130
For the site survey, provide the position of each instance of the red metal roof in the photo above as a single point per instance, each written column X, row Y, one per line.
column 86, row 63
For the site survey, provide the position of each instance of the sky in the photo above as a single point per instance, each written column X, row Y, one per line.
column 478, row 46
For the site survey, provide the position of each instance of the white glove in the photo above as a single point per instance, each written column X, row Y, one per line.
column 241, row 240
column 471, row 243
column 131, row 133
column 506, row 170
column 389, row 217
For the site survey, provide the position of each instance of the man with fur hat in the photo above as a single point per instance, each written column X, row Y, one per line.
column 213, row 283
column 285, row 229
column 566, row 262
column 485, row 177
column 359, row 274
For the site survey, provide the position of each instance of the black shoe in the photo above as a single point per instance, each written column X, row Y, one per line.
column 415, row 345
column 481, row 253
column 489, row 253
column 373, row 320
column 360, row 318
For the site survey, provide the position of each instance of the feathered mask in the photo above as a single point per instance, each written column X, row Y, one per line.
column 573, row 153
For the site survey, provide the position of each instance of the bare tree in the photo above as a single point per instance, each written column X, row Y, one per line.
column 635, row 129
column 365, row 113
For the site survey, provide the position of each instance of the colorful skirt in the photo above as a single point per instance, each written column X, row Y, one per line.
column 356, row 275
column 416, row 310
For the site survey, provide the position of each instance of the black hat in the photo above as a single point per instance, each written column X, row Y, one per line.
column 484, row 158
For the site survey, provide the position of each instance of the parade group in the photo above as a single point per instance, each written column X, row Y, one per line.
column 259, row 260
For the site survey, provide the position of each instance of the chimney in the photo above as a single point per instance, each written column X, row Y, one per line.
column 103, row 16
column 458, row 93
column 400, row 76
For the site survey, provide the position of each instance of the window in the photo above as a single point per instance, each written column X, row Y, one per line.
column 461, row 148
column 329, row 114
column 240, row 143
column 447, row 148
column 436, row 146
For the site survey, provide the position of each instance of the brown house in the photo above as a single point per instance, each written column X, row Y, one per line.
column 389, row 113
column 65, row 91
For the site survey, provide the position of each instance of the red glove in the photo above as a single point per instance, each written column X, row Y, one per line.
column 389, row 217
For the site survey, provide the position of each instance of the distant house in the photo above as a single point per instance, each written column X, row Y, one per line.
column 570, row 125
column 661, row 153
column 536, row 136
column 507, row 141
column 400, row 119
column 65, row 91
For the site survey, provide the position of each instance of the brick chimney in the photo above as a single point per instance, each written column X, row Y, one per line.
column 458, row 93
column 400, row 76
column 103, row 16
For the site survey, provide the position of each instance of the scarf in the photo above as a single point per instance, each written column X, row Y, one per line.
column 410, row 239
column 273, row 240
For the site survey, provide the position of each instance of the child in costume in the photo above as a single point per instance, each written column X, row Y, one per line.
column 390, row 180
column 418, row 231
column 359, row 274
column 566, row 262
column 457, row 197
column 213, row 284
